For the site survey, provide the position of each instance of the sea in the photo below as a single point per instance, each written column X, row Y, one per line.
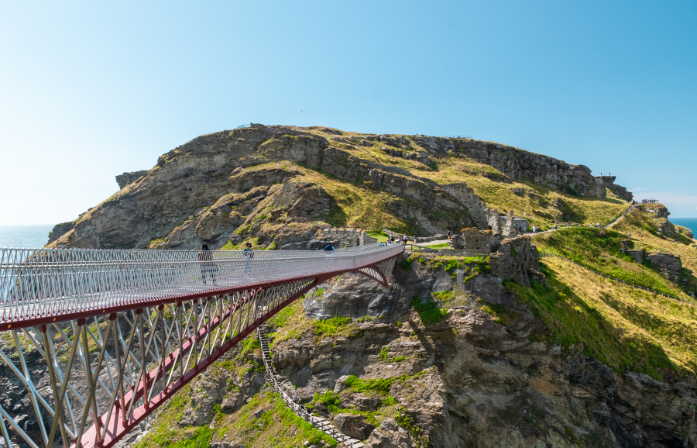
column 690, row 223
column 27, row 237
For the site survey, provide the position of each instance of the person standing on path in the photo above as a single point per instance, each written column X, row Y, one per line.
column 448, row 235
column 207, row 267
column 248, row 255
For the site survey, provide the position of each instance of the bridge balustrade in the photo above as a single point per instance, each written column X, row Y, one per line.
column 120, row 331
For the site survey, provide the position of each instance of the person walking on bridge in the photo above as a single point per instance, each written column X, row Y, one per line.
column 248, row 255
column 208, row 268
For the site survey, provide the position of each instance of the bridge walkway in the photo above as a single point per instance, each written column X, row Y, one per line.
column 120, row 332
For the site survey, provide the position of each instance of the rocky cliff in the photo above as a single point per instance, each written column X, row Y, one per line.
column 205, row 189
column 221, row 183
column 519, row 164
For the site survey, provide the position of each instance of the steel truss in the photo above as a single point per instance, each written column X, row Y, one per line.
column 109, row 370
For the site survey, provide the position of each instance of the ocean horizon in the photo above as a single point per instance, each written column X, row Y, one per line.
column 25, row 237
column 690, row 223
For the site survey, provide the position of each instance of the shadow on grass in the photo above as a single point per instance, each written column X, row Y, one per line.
column 571, row 320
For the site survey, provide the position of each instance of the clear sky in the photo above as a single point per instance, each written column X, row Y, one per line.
column 90, row 89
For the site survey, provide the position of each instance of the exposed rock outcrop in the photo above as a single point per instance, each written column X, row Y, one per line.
column 208, row 188
column 684, row 231
column 519, row 164
column 518, row 260
column 128, row 178
column 59, row 230
column 669, row 265
column 609, row 183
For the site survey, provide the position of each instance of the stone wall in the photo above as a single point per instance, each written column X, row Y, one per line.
column 473, row 240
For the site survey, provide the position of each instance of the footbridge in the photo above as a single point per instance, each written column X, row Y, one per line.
column 97, row 340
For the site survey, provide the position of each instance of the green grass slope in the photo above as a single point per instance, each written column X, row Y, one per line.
column 623, row 327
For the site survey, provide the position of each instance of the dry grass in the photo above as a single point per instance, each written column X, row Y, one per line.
column 622, row 327
column 636, row 223
column 496, row 189
column 638, row 324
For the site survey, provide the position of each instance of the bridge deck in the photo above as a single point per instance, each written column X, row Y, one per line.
column 47, row 285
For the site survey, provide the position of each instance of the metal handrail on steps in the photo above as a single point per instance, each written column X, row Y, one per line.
column 299, row 411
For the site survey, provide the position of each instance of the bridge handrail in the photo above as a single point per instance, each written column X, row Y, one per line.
column 40, row 283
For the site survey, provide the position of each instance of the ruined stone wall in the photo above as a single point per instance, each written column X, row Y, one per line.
column 473, row 241
column 347, row 236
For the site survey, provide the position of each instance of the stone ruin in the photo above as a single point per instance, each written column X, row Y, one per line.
column 473, row 241
column 339, row 238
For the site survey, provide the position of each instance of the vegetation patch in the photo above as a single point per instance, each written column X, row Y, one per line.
column 330, row 327
column 277, row 425
column 429, row 312
column 601, row 250
column 621, row 326
column 495, row 310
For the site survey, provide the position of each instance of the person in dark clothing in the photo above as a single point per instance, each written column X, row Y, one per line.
column 329, row 249
column 208, row 268
column 248, row 255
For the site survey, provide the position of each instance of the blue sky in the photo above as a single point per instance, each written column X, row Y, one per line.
column 89, row 90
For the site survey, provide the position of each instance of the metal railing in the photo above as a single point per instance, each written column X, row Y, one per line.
column 40, row 283
column 320, row 423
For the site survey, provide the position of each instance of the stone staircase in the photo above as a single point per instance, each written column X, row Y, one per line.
column 320, row 423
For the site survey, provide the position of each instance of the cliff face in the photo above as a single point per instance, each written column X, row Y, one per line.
column 609, row 183
column 202, row 191
column 520, row 165
column 477, row 380
column 205, row 190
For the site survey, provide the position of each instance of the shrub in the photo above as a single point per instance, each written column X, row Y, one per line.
column 429, row 312
column 330, row 327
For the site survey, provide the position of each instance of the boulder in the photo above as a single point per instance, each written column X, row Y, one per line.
column 669, row 265
column 353, row 426
column 340, row 384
